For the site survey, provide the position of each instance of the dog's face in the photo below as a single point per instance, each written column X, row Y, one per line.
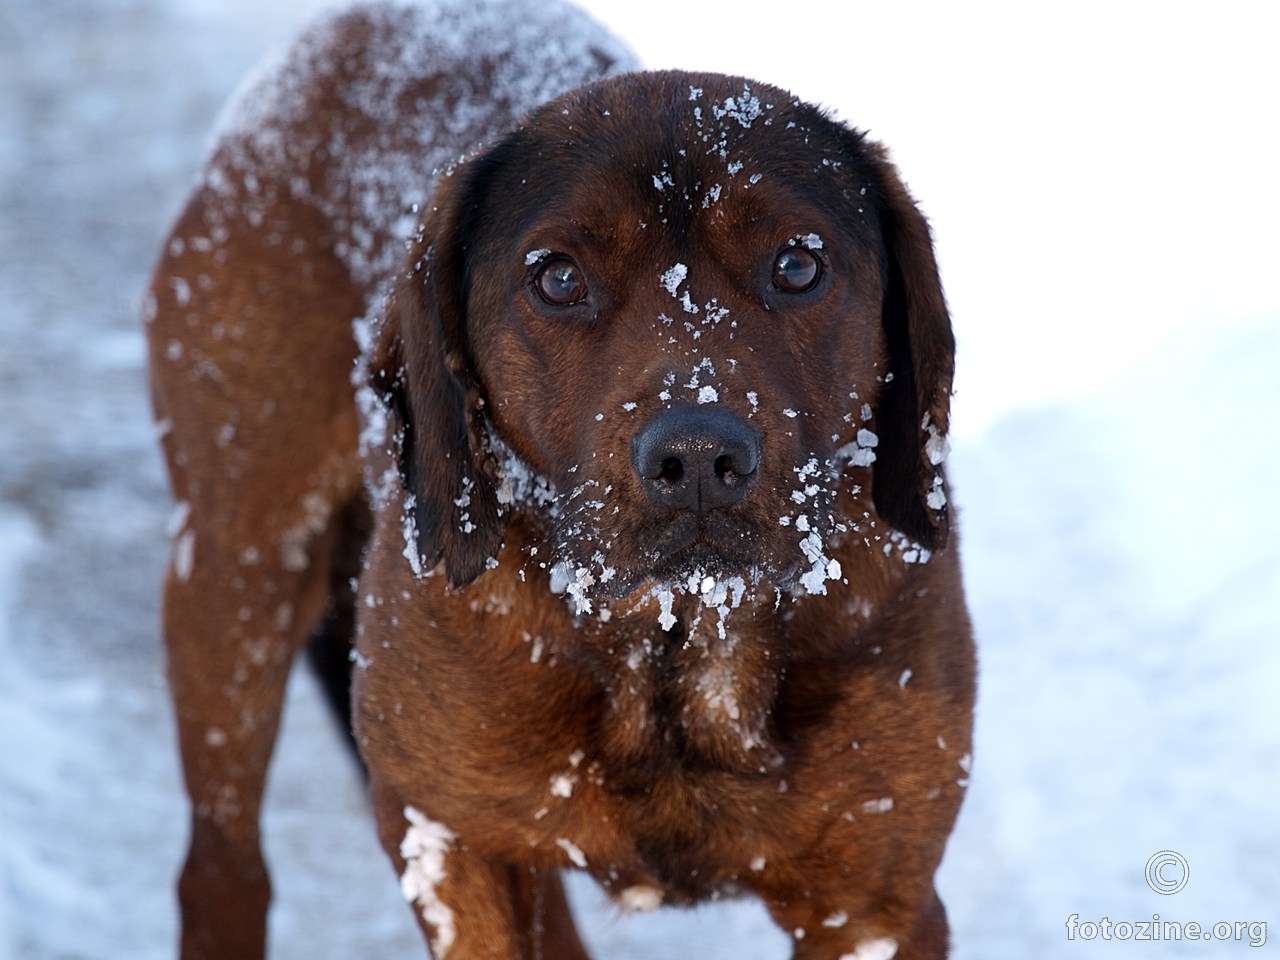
column 705, row 316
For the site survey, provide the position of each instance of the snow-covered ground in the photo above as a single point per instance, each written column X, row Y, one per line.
column 1102, row 181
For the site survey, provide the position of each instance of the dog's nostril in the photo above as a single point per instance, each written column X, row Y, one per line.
column 727, row 470
column 672, row 470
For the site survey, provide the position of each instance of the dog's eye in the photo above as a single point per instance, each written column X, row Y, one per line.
column 796, row 270
column 560, row 283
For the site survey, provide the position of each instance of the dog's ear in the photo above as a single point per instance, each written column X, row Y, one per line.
column 909, row 484
column 429, row 387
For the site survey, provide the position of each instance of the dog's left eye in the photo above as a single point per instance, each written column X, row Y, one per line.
column 560, row 283
column 796, row 270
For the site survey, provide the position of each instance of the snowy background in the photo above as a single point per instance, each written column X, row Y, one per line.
column 1102, row 180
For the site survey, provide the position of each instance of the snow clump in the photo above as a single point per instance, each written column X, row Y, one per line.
column 424, row 848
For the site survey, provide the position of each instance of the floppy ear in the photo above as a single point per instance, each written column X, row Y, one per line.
column 429, row 387
column 909, row 484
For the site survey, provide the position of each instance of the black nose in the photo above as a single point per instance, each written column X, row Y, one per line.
column 691, row 458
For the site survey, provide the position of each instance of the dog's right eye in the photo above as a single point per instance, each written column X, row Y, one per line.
column 560, row 283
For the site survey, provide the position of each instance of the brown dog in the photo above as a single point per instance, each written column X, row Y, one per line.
column 655, row 576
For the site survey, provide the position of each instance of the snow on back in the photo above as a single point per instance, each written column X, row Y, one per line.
column 423, row 102
column 745, row 108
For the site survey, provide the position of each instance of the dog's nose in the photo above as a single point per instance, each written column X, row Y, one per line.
column 690, row 458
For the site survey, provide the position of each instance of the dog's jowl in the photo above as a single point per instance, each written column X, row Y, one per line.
column 612, row 454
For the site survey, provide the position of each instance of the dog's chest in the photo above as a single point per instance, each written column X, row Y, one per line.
column 686, row 701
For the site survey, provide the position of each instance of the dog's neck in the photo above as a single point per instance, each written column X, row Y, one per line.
column 699, row 693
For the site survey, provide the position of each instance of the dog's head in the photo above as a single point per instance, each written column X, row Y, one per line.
column 693, row 322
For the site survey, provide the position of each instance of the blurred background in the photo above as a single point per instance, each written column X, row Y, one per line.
column 1101, row 178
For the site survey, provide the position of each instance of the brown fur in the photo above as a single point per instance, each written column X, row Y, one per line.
column 697, row 749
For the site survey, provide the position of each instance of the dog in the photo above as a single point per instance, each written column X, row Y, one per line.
column 614, row 455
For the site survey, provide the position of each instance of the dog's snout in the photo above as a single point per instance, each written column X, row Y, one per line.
column 696, row 459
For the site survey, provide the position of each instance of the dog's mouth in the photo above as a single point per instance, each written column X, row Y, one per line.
column 682, row 549
column 701, row 559
column 688, row 543
column 718, row 545
column 688, row 554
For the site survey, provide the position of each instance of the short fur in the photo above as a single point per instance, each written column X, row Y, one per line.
column 769, row 692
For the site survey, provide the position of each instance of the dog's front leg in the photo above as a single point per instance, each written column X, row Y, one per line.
column 471, row 906
column 893, row 929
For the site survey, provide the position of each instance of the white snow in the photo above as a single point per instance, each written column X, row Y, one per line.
column 1124, row 594
column 745, row 108
column 640, row 899
column 936, row 447
column 860, row 452
column 882, row 948
column 720, row 595
column 562, row 784
column 425, row 845
column 409, row 532
column 936, row 498
column 575, row 583
column 673, row 277
column 670, row 280
column 822, row 567
column 184, row 554
column 573, row 852
column 666, row 599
